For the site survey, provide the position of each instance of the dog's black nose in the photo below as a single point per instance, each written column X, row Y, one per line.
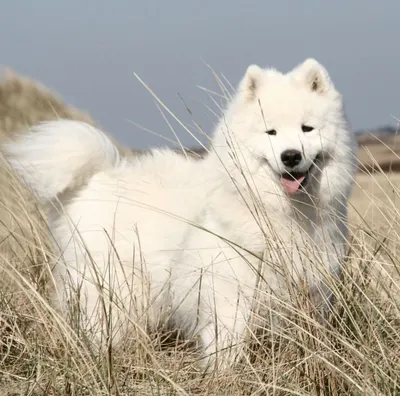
column 291, row 158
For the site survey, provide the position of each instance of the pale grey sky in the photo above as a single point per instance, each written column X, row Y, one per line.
column 88, row 50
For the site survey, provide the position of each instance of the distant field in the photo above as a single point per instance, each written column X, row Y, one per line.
column 375, row 196
column 380, row 152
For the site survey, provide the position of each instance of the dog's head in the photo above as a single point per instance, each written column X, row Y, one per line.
column 291, row 123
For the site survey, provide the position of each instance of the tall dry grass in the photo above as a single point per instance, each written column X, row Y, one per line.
column 356, row 353
column 24, row 238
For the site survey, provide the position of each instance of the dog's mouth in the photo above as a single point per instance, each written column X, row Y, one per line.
column 294, row 182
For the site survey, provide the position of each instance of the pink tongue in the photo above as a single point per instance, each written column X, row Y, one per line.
column 291, row 186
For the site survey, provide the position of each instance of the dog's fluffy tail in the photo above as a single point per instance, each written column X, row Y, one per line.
column 53, row 155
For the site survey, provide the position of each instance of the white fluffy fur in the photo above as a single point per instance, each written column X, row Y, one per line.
column 192, row 241
column 51, row 162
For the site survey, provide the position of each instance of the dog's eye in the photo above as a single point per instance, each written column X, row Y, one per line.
column 306, row 128
column 271, row 132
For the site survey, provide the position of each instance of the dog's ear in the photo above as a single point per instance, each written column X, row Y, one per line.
column 251, row 82
column 314, row 75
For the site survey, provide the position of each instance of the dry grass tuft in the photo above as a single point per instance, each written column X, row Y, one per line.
column 24, row 103
column 24, row 240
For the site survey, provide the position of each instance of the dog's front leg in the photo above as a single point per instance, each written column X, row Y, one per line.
column 223, row 338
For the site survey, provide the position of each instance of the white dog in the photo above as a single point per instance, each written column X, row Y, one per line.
column 203, row 244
